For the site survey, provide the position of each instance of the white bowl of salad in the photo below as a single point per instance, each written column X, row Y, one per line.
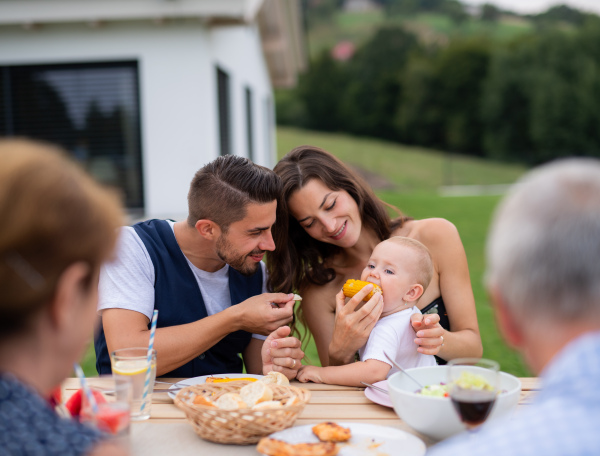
column 429, row 410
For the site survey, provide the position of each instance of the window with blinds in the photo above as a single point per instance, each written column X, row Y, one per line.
column 90, row 109
column 224, row 111
column 249, row 124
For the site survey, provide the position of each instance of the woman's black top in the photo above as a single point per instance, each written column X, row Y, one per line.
column 29, row 426
column 437, row 307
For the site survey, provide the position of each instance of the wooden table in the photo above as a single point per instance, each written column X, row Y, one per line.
column 168, row 433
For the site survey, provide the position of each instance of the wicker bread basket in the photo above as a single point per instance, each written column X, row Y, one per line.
column 242, row 426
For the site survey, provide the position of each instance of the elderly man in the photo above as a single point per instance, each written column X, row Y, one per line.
column 544, row 280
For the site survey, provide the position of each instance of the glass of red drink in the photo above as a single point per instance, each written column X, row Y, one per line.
column 473, row 387
column 112, row 416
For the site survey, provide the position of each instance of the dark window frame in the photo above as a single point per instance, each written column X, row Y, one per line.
column 224, row 111
column 14, row 103
column 249, row 122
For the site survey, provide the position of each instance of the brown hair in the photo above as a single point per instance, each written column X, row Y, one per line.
column 221, row 190
column 300, row 259
column 53, row 215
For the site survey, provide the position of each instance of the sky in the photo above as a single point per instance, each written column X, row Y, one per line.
column 537, row 6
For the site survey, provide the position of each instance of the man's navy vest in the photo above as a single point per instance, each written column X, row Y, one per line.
column 179, row 301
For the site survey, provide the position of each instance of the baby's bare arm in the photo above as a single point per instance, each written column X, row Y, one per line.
column 369, row 371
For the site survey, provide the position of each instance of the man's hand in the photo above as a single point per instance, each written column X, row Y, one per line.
column 310, row 374
column 282, row 353
column 263, row 314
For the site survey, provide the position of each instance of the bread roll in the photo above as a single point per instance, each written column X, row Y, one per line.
column 231, row 401
column 275, row 378
column 253, row 393
column 201, row 400
column 268, row 405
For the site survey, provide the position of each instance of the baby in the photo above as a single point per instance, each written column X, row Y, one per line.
column 402, row 267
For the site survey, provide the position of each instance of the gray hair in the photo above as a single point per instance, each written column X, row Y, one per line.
column 543, row 250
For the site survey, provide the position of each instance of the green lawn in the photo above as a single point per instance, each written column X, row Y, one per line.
column 409, row 169
column 416, row 175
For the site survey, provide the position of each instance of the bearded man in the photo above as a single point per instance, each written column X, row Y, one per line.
column 206, row 278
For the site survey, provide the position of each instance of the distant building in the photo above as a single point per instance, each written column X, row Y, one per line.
column 144, row 93
column 342, row 51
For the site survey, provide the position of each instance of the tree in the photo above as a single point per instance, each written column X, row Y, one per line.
column 374, row 89
column 562, row 13
column 540, row 100
column 490, row 13
column 321, row 90
column 455, row 10
column 442, row 102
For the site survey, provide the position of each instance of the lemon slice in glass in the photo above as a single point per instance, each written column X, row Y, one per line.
column 130, row 367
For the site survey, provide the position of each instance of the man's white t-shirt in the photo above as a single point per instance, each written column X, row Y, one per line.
column 127, row 282
column 395, row 336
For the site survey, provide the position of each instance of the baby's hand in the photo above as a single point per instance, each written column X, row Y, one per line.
column 309, row 374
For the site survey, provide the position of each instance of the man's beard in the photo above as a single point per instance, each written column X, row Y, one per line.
column 235, row 259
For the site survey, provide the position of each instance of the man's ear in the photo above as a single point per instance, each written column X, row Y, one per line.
column 507, row 323
column 415, row 292
column 69, row 293
column 208, row 229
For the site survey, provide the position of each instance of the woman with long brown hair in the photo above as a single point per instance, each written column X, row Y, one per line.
column 328, row 222
column 58, row 226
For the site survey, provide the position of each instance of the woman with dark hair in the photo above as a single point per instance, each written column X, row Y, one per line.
column 328, row 222
column 58, row 226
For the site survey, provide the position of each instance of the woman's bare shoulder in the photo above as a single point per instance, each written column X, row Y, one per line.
column 431, row 231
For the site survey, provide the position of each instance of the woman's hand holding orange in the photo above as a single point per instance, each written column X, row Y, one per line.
column 352, row 327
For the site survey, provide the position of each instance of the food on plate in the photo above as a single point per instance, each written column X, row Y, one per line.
column 297, row 297
column 276, row 378
column 268, row 405
column 253, row 393
column 230, row 401
column 227, row 379
column 201, row 400
column 274, row 447
column 331, row 432
column 467, row 380
column 351, row 287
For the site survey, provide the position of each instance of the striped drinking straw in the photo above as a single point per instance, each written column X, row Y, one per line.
column 86, row 390
column 149, row 368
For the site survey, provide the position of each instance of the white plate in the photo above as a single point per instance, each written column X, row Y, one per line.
column 377, row 396
column 367, row 439
column 202, row 379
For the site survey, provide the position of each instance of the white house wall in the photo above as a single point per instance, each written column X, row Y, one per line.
column 231, row 47
column 178, row 94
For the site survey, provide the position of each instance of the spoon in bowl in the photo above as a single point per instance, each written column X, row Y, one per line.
column 403, row 371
